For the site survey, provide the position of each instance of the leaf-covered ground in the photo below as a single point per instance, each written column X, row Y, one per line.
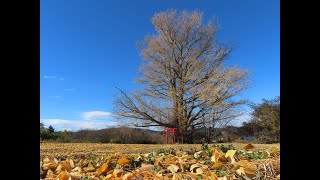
column 84, row 161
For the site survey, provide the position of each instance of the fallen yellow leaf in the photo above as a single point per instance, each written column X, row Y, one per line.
column 240, row 171
column 265, row 153
column 173, row 168
column 211, row 176
column 193, row 166
column 229, row 155
column 66, row 166
column 215, row 156
column 197, row 154
column 71, row 163
column 117, row 172
column 55, row 160
column 127, row 176
column 250, row 171
column 275, row 151
column 109, row 172
column 46, row 160
column 63, row 176
column 248, row 167
column 123, row 161
column 217, row 165
column 213, row 150
column 58, row 170
column 49, row 166
column 200, row 170
column 248, row 146
column 193, row 175
column 103, row 169
column 146, row 167
column 222, row 178
column 77, row 169
column 89, row 168
column 49, row 174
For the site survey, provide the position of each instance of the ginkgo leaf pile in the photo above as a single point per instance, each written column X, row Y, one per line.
column 207, row 162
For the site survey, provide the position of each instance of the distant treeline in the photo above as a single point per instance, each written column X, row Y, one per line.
column 121, row 135
column 127, row 135
column 263, row 127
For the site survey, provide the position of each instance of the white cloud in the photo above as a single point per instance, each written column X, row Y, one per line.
column 70, row 89
column 49, row 77
column 53, row 77
column 87, row 122
column 74, row 125
column 96, row 115
column 57, row 97
column 67, row 129
column 239, row 120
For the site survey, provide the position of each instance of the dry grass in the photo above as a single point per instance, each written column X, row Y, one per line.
column 71, row 149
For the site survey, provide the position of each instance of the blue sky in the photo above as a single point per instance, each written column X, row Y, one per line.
column 89, row 47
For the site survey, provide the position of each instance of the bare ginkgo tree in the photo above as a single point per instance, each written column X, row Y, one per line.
column 186, row 84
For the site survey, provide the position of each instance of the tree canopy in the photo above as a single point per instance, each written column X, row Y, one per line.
column 265, row 121
column 186, row 84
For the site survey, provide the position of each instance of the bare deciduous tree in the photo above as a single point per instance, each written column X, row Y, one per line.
column 186, row 83
column 265, row 120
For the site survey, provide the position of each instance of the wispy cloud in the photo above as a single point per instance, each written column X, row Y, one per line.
column 241, row 119
column 57, row 97
column 53, row 77
column 70, row 89
column 96, row 115
column 89, row 120
column 49, row 77
column 74, row 125
column 67, row 129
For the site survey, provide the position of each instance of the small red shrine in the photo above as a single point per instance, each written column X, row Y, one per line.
column 173, row 132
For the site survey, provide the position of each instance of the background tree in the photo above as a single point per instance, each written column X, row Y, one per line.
column 50, row 129
column 41, row 126
column 47, row 133
column 65, row 136
column 265, row 121
column 250, row 128
column 43, row 132
column 186, row 83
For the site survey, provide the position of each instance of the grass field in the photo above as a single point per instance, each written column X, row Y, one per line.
column 70, row 149
column 95, row 161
